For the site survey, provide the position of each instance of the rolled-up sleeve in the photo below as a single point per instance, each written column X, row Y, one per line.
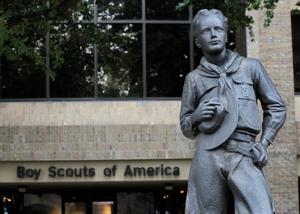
column 274, row 108
column 188, row 105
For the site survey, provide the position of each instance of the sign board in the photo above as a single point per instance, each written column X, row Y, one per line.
column 93, row 171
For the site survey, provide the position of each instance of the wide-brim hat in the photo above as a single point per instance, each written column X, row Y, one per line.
column 210, row 126
column 212, row 139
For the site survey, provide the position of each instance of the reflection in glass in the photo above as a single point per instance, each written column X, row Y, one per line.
column 167, row 59
column 296, row 50
column 156, row 9
column 75, row 208
column 21, row 77
column 42, row 204
column 103, row 207
column 119, row 60
column 75, row 77
column 136, row 202
column 118, row 9
column 83, row 12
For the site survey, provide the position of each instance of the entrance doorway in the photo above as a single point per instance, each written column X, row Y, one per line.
column 137, row 198
column 88, row 203
column 94, row 207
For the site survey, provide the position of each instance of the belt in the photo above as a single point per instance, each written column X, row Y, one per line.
column 244, row 148
column 242, row 137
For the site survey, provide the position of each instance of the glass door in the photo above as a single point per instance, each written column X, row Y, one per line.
column 88, row 207
column 75, row 208
column 102, row 207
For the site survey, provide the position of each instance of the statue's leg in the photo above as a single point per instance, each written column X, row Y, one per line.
column 249, row 187
column 207, row 189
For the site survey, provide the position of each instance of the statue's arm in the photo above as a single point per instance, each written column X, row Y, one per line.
column 274, row 108
column 188, row 104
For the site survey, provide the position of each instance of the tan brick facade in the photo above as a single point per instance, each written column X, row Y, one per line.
column 127, row 130
column 273, row 46
column 92, row 131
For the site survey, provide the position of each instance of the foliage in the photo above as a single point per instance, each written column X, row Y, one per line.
column 235, row 10
column 68, row 28
column 296, row 11
column 24, row 26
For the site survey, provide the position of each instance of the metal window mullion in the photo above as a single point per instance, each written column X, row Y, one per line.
column 168, row 22
column 121, row 21
column 95, row 71
column 144, row 49
column 141, row 21
column 47, row 65
column 47, row 85
column 95, row 53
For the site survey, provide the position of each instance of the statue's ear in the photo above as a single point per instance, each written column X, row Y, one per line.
column 197, row 43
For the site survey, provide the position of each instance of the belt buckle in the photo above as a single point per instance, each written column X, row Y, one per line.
column 232, row 147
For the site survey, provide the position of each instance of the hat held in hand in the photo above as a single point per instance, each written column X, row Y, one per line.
column 209, row 126
column 216, row 131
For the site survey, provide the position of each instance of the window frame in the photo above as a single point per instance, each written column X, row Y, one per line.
column 144, row 22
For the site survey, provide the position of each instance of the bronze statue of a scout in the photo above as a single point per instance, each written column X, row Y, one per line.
column 219, row 109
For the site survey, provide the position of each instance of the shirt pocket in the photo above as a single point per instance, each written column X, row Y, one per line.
column 248, row 110
column 244, row 88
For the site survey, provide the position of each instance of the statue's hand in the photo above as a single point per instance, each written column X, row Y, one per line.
column 260, row 154
column 205, row 111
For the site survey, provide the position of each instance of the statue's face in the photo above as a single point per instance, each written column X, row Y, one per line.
column 212, row 35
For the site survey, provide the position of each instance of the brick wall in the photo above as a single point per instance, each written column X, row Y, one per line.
column 92, row 131
column 273, row 46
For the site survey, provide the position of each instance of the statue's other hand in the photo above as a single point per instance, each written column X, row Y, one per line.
column 260, row 155
column 205, row 111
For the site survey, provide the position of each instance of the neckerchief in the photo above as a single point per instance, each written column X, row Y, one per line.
column 223, row 73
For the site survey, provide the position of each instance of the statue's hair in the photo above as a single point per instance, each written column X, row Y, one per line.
column 206, row 13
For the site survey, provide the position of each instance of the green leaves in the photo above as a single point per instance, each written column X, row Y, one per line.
column 235, row 10
column 2, row 34
column 183, row 4
column 25, row 24
column 270, row 6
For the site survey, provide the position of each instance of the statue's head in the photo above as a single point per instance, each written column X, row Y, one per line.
column 210, row 30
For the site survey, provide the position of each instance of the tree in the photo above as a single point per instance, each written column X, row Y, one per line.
column 25, row 26
column 235, row 9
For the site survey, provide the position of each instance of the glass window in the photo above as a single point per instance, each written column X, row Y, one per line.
column 75, row 78
column 119, row 69
column 75, row 208
column 156, row 9
column 21, row 77
column 42, row 203
column 123, row 52
column 119, row 9
column 84, row 13
column 135, row 202
column 296, row 50
column 103, row 207
column 168, row 59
